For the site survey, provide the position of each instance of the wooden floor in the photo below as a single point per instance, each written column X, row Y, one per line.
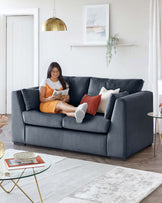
column 143, row 160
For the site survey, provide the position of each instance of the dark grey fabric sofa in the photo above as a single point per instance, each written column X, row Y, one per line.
column 126, row 132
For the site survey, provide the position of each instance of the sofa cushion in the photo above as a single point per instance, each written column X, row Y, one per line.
column 31, row 99
column 93, row 103
column 105, row 95
column 38, row 118
column 111, row 103
column 78, row 87
column 96, row 124
column 129, row 85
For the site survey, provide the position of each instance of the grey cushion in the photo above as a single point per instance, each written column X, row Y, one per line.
column 111, row 103
column 78, row 87
column 97, row 124
column 130, row 85
column 31, row 99
column 38, row 118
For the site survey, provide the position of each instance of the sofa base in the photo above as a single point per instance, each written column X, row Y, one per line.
column 92, row 143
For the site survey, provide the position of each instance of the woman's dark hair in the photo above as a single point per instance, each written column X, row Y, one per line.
column 61, row 79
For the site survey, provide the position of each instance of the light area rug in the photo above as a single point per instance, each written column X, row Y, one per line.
column 77, row 181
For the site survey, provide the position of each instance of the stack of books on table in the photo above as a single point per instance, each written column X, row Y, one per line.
column 14, row 164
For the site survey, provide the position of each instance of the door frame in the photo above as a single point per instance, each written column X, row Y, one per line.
column 3, row 50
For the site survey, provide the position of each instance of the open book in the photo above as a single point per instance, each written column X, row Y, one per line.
column 59, row 93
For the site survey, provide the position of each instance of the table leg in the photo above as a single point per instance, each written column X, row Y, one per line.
column 16, row 184
column 38, row 187
column 159, row 133
column 22, row 191
column 8, row 191
column 160, row 138
column 155, row 137
column 157, row 147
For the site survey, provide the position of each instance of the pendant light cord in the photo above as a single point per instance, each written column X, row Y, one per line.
column 54, row 9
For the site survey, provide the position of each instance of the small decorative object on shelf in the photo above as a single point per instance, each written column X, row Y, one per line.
column 3, row 122
column 111, row 47
column 160, row 108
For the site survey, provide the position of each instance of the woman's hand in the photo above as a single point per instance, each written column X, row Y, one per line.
column 65, row 98
column 52, row 98
column 42, row 94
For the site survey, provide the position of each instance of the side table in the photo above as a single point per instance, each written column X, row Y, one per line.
column 157, row 131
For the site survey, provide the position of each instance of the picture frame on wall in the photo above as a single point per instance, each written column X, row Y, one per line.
column 96, row 24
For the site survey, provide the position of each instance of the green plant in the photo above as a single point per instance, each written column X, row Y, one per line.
column 111, row 47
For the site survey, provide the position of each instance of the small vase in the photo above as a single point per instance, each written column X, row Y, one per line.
column 2, row 149
column 160, row 110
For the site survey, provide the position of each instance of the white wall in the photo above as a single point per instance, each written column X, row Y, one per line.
column 128, row 18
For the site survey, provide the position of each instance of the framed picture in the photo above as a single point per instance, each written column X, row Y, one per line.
column 96, row 24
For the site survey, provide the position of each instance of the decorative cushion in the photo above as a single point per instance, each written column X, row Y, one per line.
column 31, row 99
column 93, row 103
column 105, row 95
column 111, row 103
column 130, row 85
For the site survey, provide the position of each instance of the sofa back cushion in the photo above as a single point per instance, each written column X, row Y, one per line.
column 31, row 98
column 111, row 103
column 78, row 87
column 129, row 85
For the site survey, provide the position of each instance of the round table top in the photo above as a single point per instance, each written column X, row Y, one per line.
column 155, row 115
column 20, row 173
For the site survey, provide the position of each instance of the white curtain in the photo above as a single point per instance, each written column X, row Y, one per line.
column 154, row 50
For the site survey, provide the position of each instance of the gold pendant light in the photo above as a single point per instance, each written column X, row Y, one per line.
column 54, row 24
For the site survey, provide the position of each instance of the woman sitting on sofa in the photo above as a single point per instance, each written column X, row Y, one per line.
column 54, row 104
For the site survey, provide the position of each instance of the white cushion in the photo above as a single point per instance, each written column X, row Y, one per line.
column 105, row 95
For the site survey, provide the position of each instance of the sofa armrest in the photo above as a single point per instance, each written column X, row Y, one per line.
column 18, row 106
column 131, row 129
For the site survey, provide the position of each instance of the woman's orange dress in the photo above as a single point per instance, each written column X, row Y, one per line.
column 49, row 107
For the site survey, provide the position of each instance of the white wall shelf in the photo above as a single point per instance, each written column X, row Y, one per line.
column 99, row 45
column 88, row 45
column 124, row 45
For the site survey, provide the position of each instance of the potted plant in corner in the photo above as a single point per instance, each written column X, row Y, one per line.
column 112, row 43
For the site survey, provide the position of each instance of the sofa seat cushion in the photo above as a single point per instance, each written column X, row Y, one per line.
column 38, row 118
column 96, row 124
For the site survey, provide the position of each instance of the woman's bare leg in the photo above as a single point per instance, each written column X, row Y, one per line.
column 64, row 107
column 77, row 112
column 72, row 114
